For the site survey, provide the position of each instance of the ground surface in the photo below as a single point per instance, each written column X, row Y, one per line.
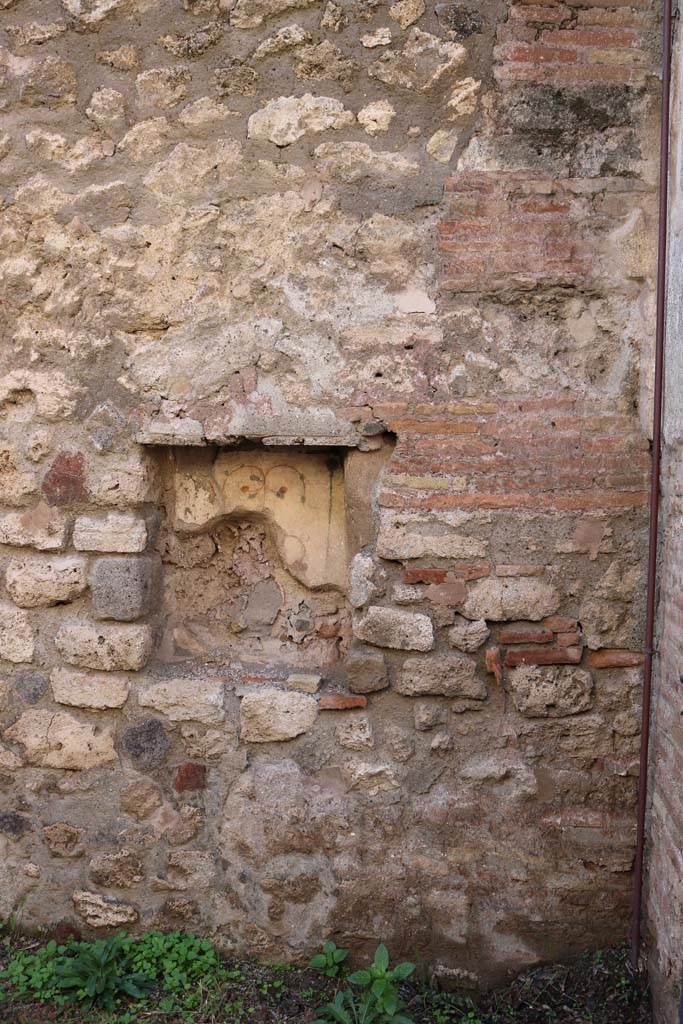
column 597, row 988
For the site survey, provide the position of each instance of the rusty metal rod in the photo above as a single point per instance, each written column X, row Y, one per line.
column 636, row 920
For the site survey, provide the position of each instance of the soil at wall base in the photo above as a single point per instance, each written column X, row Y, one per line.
column 596, row 988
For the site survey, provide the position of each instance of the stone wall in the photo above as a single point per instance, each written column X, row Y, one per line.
column 391, row 261
column 664, row 879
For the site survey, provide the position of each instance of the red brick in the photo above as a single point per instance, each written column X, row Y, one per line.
column 533, row 53
column 568, row 639
column 342, row 701
column 424, row 575
column 449, row 594
column 493, row 664
column 620, row 19
column 595, row 37
column 64, row 482
column 612, row 658
column 540, row 13
column 190, row 776
column 543, row 656
column 526, row 636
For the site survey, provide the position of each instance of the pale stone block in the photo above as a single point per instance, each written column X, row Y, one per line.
column 376, row 117
column 468, row 636
column 57, row 740
column 83, row 690
column 17, row 642
column 551, row 692
column 366, row 671
column 186, row 700
column 371, row 779
column 105, row 647
column 252, row 13
column 288, row 118
column 103, row 911
column 407, row 12
column 450, row 675
column 400, row 630
column 42, row 527
column 41, row 582
column 304, row 682
column 271, row 715
column 509, row 599
column 355, row 733
column 121, row 532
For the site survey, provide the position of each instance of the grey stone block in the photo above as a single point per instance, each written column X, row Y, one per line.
column 124, row 588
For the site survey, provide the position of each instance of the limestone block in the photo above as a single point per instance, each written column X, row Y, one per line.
column 124, row 588
column 468, row 636
column 366, row 671
column 16, row 634
column 376, row 117
column 353, row 161
column 145, row 138
column 270, row 715
column 392, row 627
column 425, row 537
column 450, row 675
column 422, row 63
column 441, row 145
column 116, row 870
column 510, row 599
column 103, row 911
column 162, row 88
column 371, row 779
column 406, row 12
column 106, row 647
column 193, row 172
column 190, row 869
column 355, row 733
column 284, row 39
column 121, row 532
column 362, row 586
column 63, row 839
column 107, row 109
column 288, row 118
column 42, row 527
column 304, row 682
column 140, row 799
column 84, row 690
column 550, row 692
column 186, row 700
column 252, row 13
column 54, row 394
column 57, row 740
column 41, row 582
column 122, row 481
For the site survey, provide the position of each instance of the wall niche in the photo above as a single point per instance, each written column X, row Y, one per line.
column 256, row 544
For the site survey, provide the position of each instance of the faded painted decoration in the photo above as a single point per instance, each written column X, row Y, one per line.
column 325, row 370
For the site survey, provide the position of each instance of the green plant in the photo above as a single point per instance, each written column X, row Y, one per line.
column 330, row 960
column 99, row 973
column 375, row 998
column 172, row 960
column 35, row 973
